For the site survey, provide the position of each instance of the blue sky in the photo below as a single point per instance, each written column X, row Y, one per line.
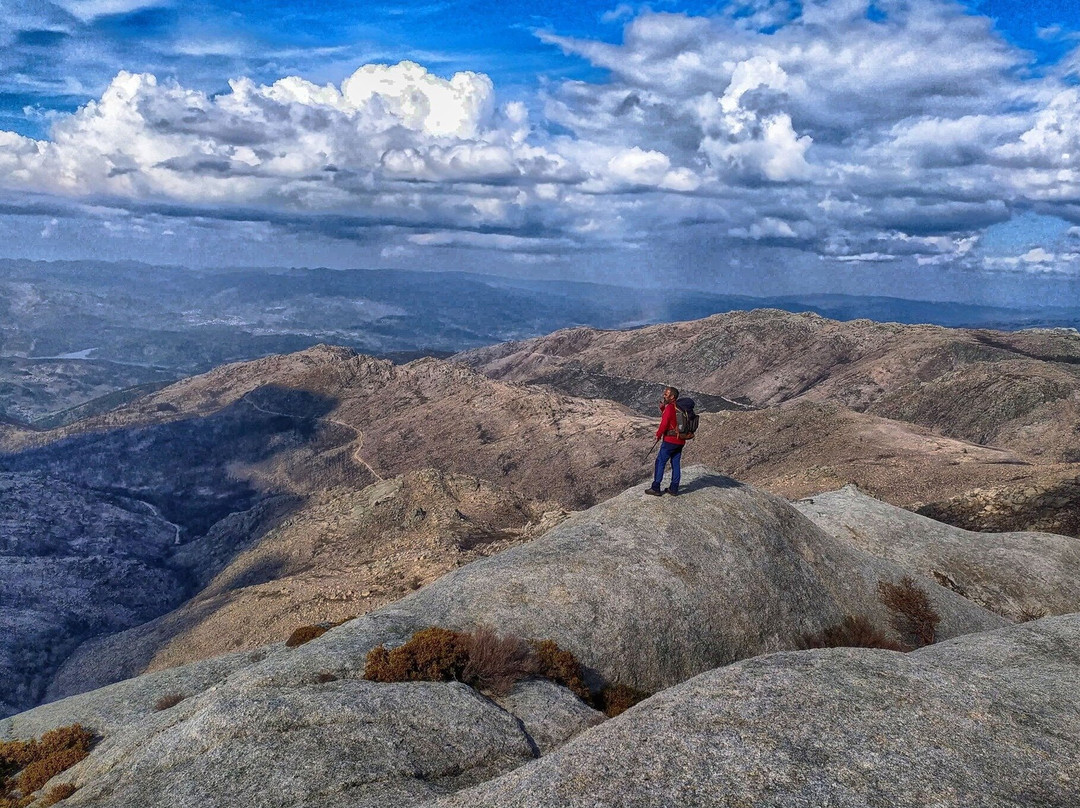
column 755, row 146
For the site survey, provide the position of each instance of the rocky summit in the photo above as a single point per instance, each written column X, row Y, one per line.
column 703, row 599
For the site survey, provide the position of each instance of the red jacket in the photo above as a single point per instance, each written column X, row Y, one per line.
column 669, row 423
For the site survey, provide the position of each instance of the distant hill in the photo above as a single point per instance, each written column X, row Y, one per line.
column 1018, row 390
column 73, row 333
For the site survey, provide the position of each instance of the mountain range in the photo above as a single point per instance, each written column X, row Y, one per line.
column 205, row 520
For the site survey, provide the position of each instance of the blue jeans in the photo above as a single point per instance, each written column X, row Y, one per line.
column 668, row 451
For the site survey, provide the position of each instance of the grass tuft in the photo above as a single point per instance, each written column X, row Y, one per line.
column 167, row 701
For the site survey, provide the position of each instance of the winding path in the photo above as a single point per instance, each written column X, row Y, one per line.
column 359, row 433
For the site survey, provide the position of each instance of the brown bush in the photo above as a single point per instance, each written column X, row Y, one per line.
column 171, row 700
column 57, row 793
column 305, row 634
column 616, row 699
column 561, row 667
column 496, row 663
column 1029, row 614
column 912, row 615
column 14, row 755
column 481, row 658
column 38, row 761
column 325, row 677
column 42, row 771
column 430, row 655
column 851, row 632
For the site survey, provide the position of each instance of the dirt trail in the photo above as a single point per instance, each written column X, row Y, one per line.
column 359, row 439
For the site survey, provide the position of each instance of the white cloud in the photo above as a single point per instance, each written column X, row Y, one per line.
column 1037, row 260
column 766, row 228
column 862, row 137
column 90, row 10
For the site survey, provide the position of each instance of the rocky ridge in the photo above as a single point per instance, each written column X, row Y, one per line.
column 73, row 563
column 1018, row 575
column 1027, row 382
column 636, row 586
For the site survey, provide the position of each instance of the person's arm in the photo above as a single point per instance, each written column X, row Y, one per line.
column 667, row 422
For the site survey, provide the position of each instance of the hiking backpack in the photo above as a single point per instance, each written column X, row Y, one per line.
column 686, row 419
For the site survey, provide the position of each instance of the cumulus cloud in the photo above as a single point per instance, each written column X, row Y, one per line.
column 1038, row 260
column 860, row 134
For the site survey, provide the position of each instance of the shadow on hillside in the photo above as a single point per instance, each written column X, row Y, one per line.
column 196, row 471
column 711, row 480
column 187, row 468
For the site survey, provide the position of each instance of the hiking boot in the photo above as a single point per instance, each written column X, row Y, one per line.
column 672, row 491
column 653, row 492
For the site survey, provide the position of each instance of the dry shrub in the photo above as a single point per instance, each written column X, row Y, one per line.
column 912, row 615
column 57, row 793
column 1032, row 613
column 851, row 632
column 561, row 667
column 496, row 663
column 170, row 700
column 482, row 658
column 325, row 677
column 28, row 765
column 430, row 655
column 305, row 634
column 616, row 699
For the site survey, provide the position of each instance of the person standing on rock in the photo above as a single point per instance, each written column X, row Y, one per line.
column 670, row 449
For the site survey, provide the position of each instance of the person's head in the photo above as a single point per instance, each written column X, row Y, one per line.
column 670, row 395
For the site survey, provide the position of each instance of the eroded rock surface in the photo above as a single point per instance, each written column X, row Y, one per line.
column 988, row 720
column 1018, row 575
column 647, row 592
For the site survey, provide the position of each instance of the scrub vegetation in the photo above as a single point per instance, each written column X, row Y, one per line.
column 491, row 663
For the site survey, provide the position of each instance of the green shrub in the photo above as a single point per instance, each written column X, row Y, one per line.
column 851, row 632
column 912, row 615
